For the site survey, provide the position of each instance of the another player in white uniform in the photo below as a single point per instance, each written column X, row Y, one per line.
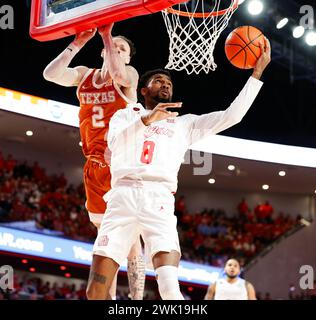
column 148, row 147
column 232, row 287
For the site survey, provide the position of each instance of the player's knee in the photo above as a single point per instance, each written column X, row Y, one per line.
column 168, row 284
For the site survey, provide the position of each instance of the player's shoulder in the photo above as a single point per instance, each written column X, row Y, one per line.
column 247, row 283
column 188, row 116
column 132, row 69
column 132, row 109
column 133, row 73
column 186, row 119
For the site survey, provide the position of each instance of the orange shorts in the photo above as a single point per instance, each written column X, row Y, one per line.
column 97, row 182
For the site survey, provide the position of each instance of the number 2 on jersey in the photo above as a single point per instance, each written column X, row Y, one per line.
column 98, row 114
column 148, row 152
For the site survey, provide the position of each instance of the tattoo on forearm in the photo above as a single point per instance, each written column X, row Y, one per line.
column 136, row 277
column 97, row 277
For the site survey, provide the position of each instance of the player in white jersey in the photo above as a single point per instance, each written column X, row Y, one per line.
column 232, row 287
column 148, row 147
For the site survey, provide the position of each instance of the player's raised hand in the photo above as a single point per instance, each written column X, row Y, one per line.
column 83, row 37
column 106, row 29
column 264, row 59
column 161, row 112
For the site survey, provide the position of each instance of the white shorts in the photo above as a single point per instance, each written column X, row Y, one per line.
column 96, row 218
column 137, row 210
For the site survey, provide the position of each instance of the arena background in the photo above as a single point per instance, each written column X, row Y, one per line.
column 283, row 113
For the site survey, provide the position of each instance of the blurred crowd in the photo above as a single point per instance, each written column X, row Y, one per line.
column 28, row 193
column 34, row 288
column 208, row 237
column 212, row 236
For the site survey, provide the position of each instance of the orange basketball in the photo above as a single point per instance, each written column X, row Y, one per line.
column 242, row 47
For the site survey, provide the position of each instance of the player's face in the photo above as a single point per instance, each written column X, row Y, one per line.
column 232, row 268
column 160, row 88
column 123, row 49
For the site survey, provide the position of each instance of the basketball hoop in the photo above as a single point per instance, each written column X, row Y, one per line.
column 194, row 28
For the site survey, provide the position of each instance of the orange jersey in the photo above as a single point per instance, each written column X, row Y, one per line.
column 98, row 103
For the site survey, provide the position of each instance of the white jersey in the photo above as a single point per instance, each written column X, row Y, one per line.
column 231, row 291
column 154, row 153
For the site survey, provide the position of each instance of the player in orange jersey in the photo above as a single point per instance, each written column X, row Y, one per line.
column 101, row 93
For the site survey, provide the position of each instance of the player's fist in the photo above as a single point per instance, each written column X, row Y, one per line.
column 161, row 112
column 83, row 37
column 106, row 29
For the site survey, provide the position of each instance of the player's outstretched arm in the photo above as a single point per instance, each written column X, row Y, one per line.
column 58, row 71
column 215, row 122
column 124, row 75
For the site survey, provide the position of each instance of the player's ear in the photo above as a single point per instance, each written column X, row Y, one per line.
column 143, row 91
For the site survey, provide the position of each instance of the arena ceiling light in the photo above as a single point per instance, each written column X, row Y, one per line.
column 282, row 23
column 29, row 133
column 310, row 38
column 255, row 7
column 231, row 167
column 298, row 32
column 212, row 181
column 282, row 173
column 265, row 187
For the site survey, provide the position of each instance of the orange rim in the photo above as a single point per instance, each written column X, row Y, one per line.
column 203, row 14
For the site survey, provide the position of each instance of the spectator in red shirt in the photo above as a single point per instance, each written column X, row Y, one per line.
column 267, row 210
column 243, row 209
column 180, row 207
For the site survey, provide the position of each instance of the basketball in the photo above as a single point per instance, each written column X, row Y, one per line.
column 242, row 47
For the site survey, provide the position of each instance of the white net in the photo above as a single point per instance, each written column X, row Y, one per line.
column 192, row 38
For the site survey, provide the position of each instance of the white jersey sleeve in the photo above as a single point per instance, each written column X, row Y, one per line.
column 212, row 123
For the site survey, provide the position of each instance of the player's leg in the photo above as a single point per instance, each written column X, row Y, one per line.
column 166, row 269
column 159, row 227
column 136, row 271
column 117, row 232
column 96, row 185
column 95, row 204
column 102, row 272
column 112, row 290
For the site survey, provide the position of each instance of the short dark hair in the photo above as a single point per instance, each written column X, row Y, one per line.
column 233, row 258
column 145, row 78
column 130, row 43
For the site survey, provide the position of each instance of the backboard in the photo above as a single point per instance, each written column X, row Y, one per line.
column 54, row 19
